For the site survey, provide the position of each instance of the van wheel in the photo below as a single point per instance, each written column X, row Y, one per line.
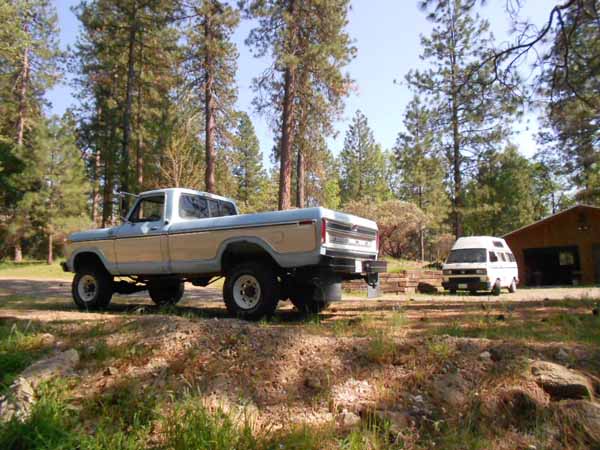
column 92, row 288
column 251, row 291
column 496, row 288
column 166, row 292
column 307, row 300
column 513, row 286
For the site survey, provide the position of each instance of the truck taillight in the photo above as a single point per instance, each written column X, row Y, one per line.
column 323, row 231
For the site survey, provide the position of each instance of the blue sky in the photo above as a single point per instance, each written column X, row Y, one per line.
column 386, row 34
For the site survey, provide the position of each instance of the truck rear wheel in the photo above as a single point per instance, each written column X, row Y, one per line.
column 166, row 292
column 310, row 299
column 251, row 291
column 92, row 288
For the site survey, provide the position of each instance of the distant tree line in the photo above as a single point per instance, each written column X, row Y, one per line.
column 155, row 82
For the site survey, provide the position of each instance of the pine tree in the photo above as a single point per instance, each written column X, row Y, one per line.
column 248, row 168
column 29, row 57
column 211, row 66
column 421, row 170
column 572, row 84
column 363, row 164
column 501, row 197
column 309, row 46
column 59, row 204
column 472, row 112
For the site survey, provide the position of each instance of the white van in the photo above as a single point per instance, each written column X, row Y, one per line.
column 480, row 263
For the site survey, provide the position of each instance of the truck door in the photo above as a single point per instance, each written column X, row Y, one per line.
column 140, row 244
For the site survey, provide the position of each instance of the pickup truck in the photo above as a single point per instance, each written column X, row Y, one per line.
column 172, row 236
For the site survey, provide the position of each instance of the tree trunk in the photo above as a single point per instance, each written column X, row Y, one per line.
column 139, row 156
column 18, row 252
column 300, row 179
column 50, row 250
column 285, row 168
column 96, row 187
column 209, row 114
column 287, row 124
column 128, row 100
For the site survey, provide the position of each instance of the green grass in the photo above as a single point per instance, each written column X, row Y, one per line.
column 397, row 265
column 563, row 327
column 20, row 345
column 33, row 269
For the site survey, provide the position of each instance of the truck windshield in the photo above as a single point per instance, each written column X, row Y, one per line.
column 467, row 255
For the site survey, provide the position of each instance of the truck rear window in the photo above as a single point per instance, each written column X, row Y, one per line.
column 192, row 207
column 467, row 255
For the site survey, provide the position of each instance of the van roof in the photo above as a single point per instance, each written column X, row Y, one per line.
column 480, row 242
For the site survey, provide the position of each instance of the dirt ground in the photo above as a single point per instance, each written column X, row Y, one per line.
column 425, row 363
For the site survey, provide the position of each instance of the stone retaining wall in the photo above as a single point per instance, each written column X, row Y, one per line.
column 405, row 281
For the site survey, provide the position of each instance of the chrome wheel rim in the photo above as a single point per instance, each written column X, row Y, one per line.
column 246, row 292
column 87, row 287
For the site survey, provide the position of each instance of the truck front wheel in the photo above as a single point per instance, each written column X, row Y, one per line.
column 251, row 291
column 166, row 292
column 92, row 288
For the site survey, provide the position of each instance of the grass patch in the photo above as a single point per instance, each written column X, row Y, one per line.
column 33, row 269
column 562, row 327
column 381, row 348
column 19, row 347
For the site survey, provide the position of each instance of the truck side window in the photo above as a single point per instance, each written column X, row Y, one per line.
column 149, row 209
column 192, row 207
column 227, row 209
column 213, row 206
column 493, row 257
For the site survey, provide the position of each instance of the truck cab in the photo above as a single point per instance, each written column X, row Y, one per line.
column 480, row 263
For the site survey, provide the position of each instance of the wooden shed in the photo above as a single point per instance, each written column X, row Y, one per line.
column 562, row 249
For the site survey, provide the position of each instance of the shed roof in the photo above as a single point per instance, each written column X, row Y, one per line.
column 545, row 219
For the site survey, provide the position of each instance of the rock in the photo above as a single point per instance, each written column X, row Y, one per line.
column 562, row 355
column 59, row 364
column 313, row 383
column 485, row 356
column 21, row 394
column 583, row 415
column 560, row 382
column 398, row 420
column 47, row 339
column 450, row 389
column 110, row 371
column 349, row 419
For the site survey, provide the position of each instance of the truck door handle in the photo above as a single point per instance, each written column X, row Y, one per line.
column 153, row 228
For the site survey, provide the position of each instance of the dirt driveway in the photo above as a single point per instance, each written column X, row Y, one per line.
column 50, row 300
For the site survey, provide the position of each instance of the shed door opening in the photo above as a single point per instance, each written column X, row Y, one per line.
column 552, row 266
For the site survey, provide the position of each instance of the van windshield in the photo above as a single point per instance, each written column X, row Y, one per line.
column 467, row 255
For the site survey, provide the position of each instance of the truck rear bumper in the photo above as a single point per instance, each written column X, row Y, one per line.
column 457, row 284
column 353, row 266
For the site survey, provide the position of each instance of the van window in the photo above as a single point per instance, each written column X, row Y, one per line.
column 493, row 257
column 503, row 257
column 498, row 244
column 467, row 255
column 192, row 207
column 511, row 257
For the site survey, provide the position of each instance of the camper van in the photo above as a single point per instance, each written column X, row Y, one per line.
column 480, row 263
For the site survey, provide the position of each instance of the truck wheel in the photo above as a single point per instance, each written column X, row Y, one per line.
column 251, row 291
column 308, row 300
column 496, row 288
column 166, row 292
column 513, row 286
column 92, row 288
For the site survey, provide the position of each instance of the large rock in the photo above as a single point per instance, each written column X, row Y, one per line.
column 583, row 415
column 21, row 395
column 450, row 389
column 560, row 382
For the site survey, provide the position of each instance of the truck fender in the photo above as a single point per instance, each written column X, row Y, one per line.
column 93, row 250
column 264, row 246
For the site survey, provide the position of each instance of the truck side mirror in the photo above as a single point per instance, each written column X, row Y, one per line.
column 123, row 207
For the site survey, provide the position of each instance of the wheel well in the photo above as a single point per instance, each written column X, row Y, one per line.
column 244, row 251
column 87, row 259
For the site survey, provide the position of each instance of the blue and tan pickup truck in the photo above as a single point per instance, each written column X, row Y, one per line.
column 173, row 236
